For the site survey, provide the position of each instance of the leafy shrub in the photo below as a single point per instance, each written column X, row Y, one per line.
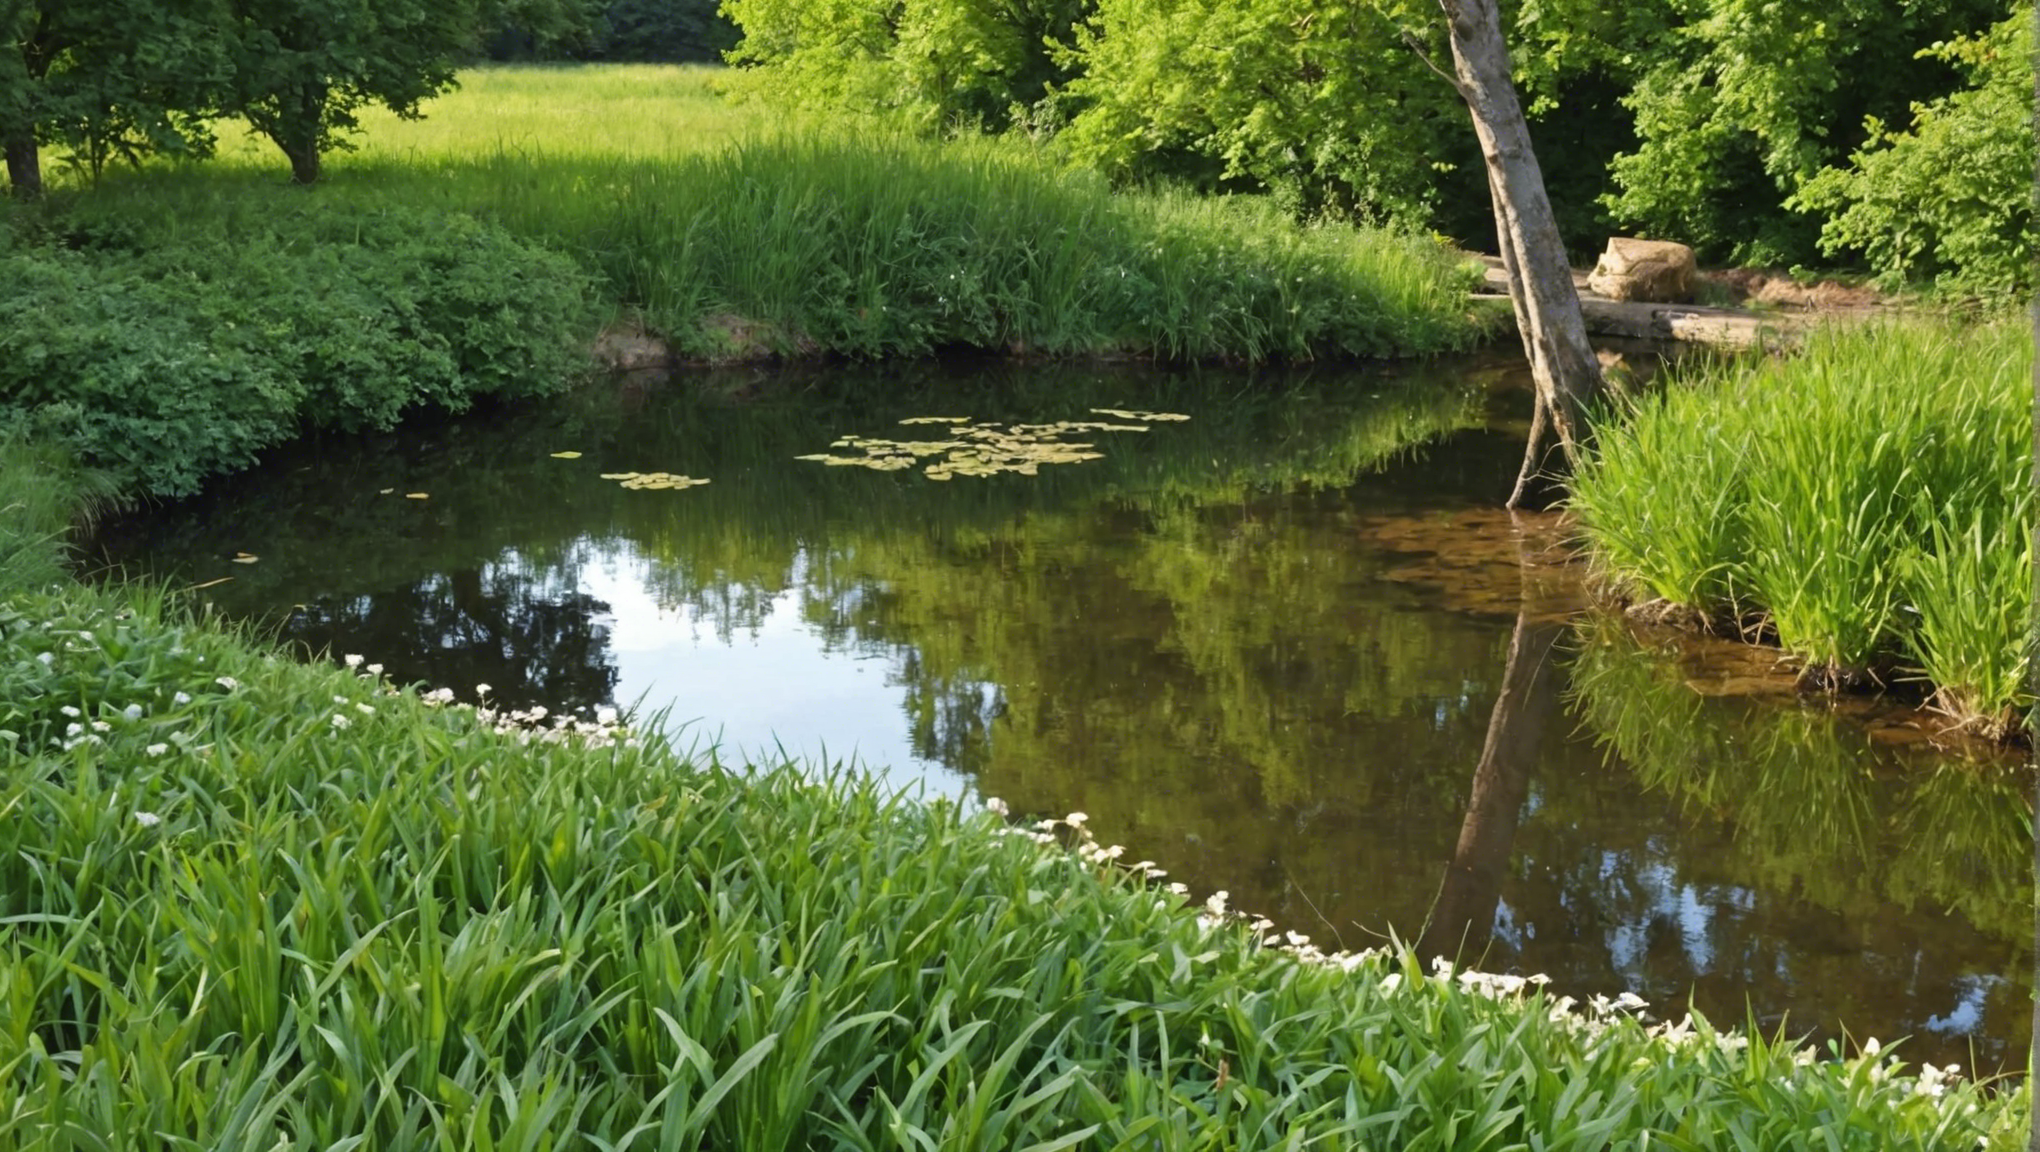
column 1951, row 198
column 165, row 358
column 1332, row 114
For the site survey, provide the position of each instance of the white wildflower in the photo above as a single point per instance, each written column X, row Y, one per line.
column 606, row 716
column 1075, row 819
column 73, row 729
column 375, row 669
column 1179, row 889
column 46, row 658
column 993, row 804
column 1391, row 982
column 181, row 698
column 132, row 712
column 482, row 689
column 148, row 819
column 1630, row 1001
column 1296, row 939
column 365, row 709
column 340, row 721
column 227, row 682
column 353, row 660
column 71, row 711
column 156, row 749
column 1215, row 903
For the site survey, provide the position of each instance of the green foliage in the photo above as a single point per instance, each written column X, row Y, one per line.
column 1328, row 110
column 303, row 68
column 889, row 246
column 106, row 80
column 162, row 357
column 1950, row 198
column 935, row 64
column 1868, row 497
column 1746, row 100
column 642, row 31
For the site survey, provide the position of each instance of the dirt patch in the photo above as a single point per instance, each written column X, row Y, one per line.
column 628, row 346
column 1757, row 287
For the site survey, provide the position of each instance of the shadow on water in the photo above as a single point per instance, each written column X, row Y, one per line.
column 1289, row 648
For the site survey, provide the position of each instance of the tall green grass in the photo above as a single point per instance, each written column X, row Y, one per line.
column 737, row 235
column 1869, row 499
column 791, row 244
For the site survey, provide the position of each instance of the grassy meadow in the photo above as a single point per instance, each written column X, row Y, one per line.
column 1868, row 502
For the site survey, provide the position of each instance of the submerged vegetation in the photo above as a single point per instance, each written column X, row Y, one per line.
column 1868, row 502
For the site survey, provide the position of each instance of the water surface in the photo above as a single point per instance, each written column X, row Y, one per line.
column 1288, row 648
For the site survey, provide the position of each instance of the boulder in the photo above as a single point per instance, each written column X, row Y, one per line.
column 1651, row 271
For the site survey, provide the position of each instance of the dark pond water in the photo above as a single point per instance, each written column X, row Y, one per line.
column 1287, row 647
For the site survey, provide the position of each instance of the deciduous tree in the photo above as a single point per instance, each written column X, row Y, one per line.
column 304, row 68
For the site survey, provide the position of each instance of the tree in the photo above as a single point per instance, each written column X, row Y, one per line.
column 109, row 78
column 303, row 68
column 1547, row 306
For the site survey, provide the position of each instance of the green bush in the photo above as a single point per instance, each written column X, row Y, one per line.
column 1950, row 199
column 161, row 356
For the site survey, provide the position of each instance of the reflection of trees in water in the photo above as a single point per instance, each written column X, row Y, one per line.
column 532, row 640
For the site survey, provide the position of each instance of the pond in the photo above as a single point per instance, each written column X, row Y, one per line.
column 1288, row 647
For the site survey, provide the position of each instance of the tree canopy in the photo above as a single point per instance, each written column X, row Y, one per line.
column 1731, row 125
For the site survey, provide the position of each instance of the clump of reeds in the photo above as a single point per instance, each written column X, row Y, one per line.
column 1868, row 500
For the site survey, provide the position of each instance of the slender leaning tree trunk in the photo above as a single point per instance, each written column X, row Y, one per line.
column 1562, row 363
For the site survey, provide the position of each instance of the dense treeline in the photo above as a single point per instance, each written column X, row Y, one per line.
column 1764, row 131
column 621, row 31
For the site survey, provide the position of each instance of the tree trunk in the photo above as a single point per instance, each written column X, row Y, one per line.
column 299, row 118
column 1562, row 363
column 24, row 165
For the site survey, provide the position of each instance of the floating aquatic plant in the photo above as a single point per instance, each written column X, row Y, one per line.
column 983, row 449
column 654, row 481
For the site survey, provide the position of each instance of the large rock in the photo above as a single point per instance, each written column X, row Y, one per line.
column 1652, row 271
